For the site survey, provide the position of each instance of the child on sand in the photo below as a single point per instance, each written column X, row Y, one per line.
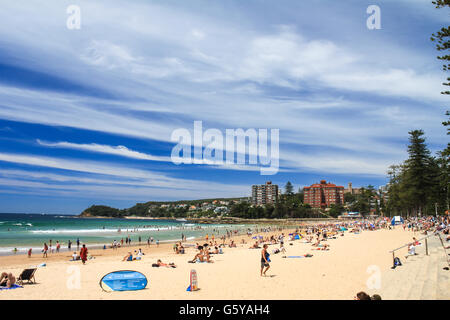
column 75, row 257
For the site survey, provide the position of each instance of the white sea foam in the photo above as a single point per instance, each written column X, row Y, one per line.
column 122, row 230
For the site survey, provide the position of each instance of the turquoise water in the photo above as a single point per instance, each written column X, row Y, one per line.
column 25, row 231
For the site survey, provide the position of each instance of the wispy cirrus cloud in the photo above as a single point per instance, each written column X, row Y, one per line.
column 107, row 171
column 114, row 150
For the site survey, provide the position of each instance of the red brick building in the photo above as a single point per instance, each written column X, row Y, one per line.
column 323, row 194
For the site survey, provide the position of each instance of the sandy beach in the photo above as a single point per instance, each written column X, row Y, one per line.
column 335, row 274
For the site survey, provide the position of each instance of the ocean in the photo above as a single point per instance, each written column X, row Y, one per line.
column 25, row 231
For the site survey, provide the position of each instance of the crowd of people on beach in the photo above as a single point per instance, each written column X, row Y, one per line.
column 317, row 235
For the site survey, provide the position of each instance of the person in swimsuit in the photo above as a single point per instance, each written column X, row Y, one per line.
column 128, row 257
column 7, row 280
column 161, row 264
column 45, row 250
column 264, row 260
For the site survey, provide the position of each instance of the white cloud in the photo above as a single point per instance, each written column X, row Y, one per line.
column 105, row 175
column 184, row 65
column 114, row 150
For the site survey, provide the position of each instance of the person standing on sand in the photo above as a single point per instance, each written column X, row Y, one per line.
column 264, row 261
column 69, row 245
column 29, row 252
column 83, row 254
column 45, row 250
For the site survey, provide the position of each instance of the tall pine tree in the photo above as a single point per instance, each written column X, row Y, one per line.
column 419, row 175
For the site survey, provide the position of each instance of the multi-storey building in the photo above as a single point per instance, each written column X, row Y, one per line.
column 264, row 194
column 323, row 194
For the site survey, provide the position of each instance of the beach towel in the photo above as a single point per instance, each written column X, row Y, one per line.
column 15, row 286
column 296, row 257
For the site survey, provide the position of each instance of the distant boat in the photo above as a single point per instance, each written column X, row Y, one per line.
column 182, row 219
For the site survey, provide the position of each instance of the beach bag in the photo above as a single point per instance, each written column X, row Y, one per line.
column 397, row 262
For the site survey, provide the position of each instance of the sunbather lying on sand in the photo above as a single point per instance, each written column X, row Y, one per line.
column 7, row 280
column 162, row 264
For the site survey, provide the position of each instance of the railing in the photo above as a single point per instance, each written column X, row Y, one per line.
column 426, row 246
column 445, row 250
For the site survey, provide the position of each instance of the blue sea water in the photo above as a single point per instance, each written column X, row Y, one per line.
column 25, row 231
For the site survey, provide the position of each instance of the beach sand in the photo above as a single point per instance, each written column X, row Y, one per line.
column 335, row 274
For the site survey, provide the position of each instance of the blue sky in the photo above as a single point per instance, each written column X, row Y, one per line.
column 86, row 116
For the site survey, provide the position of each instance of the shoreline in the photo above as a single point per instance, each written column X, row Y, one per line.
column 274, row 223
column 98, row 251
